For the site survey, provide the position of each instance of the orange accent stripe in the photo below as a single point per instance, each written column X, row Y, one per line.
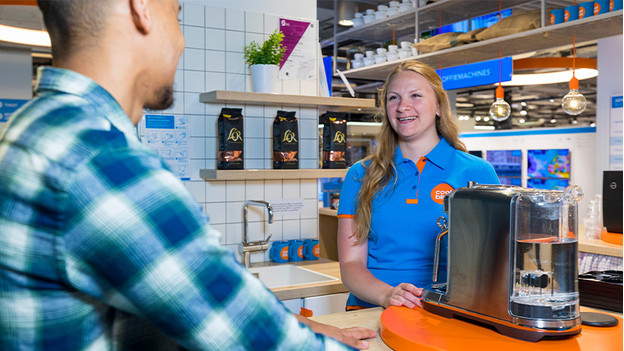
column 19, row 2
column 346, row 216
column 356, row 307
column 554, row 62
column 420, row 165
column 613, row 238
column 411, row 201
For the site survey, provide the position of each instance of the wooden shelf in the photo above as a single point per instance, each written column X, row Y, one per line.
column 586, row 30
column 330, row 103
column 258, row 174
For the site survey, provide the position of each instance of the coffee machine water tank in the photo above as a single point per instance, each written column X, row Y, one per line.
column 546, row 251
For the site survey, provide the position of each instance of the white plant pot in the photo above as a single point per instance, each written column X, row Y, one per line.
column 263, row 78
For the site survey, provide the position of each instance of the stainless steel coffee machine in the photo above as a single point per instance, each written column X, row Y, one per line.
column 512, row 260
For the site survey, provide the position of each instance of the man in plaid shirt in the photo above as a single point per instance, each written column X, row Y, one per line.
column 99, row 241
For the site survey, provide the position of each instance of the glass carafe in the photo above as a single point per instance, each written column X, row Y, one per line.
column 546, row 254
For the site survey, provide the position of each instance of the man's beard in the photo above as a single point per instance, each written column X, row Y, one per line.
column 163, row 99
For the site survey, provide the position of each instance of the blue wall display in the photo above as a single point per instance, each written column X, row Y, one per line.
column 8, row 107
column 475, row 74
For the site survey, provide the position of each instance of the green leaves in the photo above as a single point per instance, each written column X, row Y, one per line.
column 270, row 53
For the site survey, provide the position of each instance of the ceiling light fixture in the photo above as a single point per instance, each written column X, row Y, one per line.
column 24, row 36
column 345, row 23
column 345, row 13
column 484, row 127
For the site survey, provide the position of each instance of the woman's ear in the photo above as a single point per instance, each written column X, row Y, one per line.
column 141, row 15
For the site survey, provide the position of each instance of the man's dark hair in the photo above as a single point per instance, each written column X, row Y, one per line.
column 73, row 24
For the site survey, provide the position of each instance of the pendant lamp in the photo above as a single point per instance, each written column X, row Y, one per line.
column 573, row 103
column 500, row 109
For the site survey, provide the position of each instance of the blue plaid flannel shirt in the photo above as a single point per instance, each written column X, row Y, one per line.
column 100, row 242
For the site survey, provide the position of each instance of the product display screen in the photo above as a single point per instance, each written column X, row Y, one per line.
column 506, row 162
column 553, row 163
column 477, row 153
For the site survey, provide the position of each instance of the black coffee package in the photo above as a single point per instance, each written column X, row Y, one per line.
column 285, row 144
column 334, row 139
column 230, row 126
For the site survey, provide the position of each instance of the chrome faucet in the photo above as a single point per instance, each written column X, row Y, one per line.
column 246, row 247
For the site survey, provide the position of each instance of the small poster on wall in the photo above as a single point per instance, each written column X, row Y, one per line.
column 168, row 135
column 299, row 60
column 615, row 134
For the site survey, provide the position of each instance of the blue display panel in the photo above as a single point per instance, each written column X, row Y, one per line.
column 507, row 164
column 552, row 163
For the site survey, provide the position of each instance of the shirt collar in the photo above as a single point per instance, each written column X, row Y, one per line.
column 439, row 156
column 59, row 80
column 398, row 156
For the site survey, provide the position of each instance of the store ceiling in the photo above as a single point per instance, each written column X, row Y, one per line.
column 543, row 102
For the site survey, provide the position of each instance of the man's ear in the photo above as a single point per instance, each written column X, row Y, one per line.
column 141, row 15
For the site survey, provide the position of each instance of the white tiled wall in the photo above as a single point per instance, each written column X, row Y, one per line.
column 213, row 60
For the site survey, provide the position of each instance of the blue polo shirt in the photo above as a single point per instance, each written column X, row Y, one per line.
column 404, row 217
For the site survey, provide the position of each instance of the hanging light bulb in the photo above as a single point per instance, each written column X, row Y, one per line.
column 500, row 109
column 574, row 102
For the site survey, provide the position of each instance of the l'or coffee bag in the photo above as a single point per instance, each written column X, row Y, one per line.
column 230, row 125
column 334, row 139
column 285, row 144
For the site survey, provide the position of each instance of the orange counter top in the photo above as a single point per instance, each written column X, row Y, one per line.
column 410, row 329
column 459, row 335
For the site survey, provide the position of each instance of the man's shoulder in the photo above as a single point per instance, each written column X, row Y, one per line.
column 64, row 128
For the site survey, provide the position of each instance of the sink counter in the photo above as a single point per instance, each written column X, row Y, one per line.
column 323, row 266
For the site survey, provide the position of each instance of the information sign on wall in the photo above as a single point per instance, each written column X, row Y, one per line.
column 299, row 60
column 8, row 107
column 168, row 135
column 475, row 74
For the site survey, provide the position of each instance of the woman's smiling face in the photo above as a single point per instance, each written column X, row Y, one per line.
column 411, row 106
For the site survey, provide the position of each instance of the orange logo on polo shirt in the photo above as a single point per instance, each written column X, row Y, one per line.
column 439, row 191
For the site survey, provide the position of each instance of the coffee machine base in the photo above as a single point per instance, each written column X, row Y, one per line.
column 503, row 327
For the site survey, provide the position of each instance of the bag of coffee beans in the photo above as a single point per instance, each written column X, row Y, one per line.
column 230, row 126
column 285, row 144
column 334, row 139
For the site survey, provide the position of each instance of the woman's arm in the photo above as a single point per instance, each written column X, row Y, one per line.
column 358, row 278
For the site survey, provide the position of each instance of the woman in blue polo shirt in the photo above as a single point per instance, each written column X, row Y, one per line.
column 390, row 201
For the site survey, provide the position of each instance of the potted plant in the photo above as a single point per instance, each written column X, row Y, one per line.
column 263, row 61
